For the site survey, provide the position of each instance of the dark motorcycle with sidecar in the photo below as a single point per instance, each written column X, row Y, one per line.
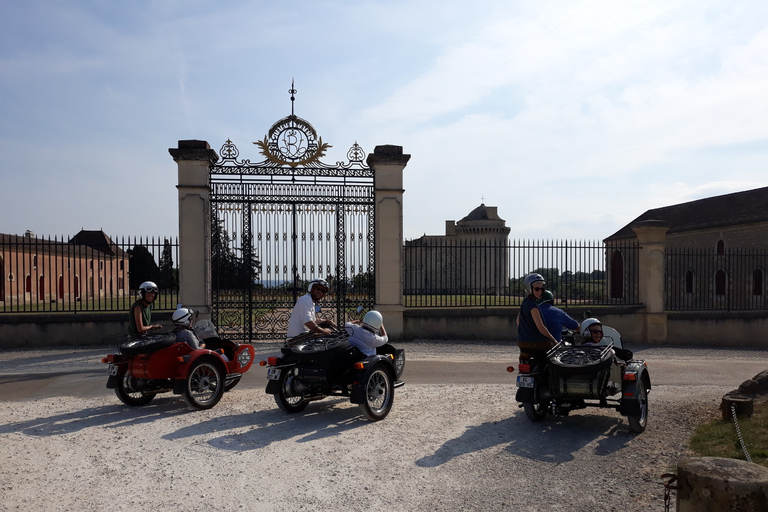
column 315, row 366
column 575, row 375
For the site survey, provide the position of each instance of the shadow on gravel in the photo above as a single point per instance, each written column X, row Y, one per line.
column 555, row 440
column 319, row 420
column 108, row 416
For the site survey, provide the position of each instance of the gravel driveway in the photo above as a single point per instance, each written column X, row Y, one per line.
column 443, row 447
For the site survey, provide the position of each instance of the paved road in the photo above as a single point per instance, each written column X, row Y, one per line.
column 26, row 374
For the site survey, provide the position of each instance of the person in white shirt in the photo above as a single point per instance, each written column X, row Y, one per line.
column 367, row 334
column 303, row 318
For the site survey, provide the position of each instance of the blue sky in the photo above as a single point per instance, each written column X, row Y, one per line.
column 572, row 117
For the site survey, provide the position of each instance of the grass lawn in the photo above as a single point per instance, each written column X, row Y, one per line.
column 718, row 438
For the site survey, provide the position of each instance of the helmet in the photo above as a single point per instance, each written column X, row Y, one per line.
column 373, row 320
column 321, row 282
column 547, row 296
column 182, row 317
column 585, row 325
column 147, row 287
column 529, row 280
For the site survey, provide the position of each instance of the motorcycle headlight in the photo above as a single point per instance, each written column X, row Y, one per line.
column 244, row 357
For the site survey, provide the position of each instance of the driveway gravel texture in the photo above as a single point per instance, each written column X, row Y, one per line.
column 443, row 446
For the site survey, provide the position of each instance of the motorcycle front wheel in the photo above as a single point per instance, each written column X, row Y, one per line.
column 128, row 395
column 285, row 398
column 205, row 384
column 536, row 411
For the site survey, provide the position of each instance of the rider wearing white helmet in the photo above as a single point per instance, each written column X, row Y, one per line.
column 592, row 331
column 303, row 317
column 532, row 333
column 182, row 319
column 368, row 334
column 140, row 317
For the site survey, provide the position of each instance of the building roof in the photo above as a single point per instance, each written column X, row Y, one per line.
column 739, row 208
column 483, row 212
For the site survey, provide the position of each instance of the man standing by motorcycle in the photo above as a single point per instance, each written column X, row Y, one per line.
column 140, row 317
column 532, row 332
column 555, row 318
column 303, row 318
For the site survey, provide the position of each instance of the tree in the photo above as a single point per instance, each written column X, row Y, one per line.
column 143, row 267
column 168, row 278
column 230, row 271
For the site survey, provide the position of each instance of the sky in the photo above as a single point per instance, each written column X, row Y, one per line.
column 572, row 117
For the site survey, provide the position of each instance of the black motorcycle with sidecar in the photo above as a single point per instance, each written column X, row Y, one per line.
column 315, row 366
column 575, row 375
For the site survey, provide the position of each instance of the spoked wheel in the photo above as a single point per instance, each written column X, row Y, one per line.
column 537, row 411
column 578, row 359
column 205, row 384
column 379, row 394
column 638, row 423
column 285, row 398
column 127, row 393
column 315, row 345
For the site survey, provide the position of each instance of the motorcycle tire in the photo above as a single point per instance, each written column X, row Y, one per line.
column 379, row 393
column 205, row 384
column 285, row 399
column 146, row 345
column 638, row 423
column 536, row 411
column 580, row 360
column 124, row 389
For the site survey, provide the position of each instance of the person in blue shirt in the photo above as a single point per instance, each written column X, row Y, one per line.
column 555, row 318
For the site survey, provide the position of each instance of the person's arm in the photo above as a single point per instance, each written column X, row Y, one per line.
column 138, row 318
column 313, row 327
column 536, row 315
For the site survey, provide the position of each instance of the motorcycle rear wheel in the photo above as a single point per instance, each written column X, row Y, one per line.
column 536, row 411
column 126, row 393
column 285, row 400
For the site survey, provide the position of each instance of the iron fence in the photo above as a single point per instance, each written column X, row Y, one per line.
column 730, row 280
column 481, row 273
column 86, row 272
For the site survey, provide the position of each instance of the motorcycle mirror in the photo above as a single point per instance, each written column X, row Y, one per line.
column 179, row 305
column 318, row 309
column 359, row 308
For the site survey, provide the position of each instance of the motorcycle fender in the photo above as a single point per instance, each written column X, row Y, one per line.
column 273, row 386
column 526, row 395
column 112, row 382
column 629, row 405
column 179, row 386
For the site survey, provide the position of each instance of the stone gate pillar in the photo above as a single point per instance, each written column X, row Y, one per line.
column 652, row 237
column 388, row 163
column 194, row 157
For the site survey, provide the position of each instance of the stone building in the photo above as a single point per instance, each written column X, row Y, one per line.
column 471, row 258
column 715, row 251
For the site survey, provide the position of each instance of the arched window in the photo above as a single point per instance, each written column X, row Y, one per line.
column 40, row 288
column 720, row 247
column 28, row 284
column 61, row 287
column 757, row 282
column 689, row 281
column 720, row 278
column 617, row 275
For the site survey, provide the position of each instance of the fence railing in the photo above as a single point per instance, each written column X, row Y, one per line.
column 441, row 272
column 87, row 272
column 705, row 280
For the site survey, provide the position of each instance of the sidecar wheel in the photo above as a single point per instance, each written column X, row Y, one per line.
column 537, row 411
column 126, row 393
column 637, row 424
column 205, row 384
column 379, row 394
column 284, row 397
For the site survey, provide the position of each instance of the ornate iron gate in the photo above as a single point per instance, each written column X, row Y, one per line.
column 281, row 222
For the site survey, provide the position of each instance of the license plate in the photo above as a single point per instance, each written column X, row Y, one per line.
column 112, row 370
column 524, row 382
column 273, row 373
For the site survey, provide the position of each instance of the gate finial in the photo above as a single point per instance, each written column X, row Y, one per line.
column 293, row 91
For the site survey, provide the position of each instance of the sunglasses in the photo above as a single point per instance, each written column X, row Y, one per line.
column 595, row 332
column 538, row 288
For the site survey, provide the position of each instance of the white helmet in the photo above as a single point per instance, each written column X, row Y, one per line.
column 529, row 280
column 321, row 282
column 586, row 324
column 182, row 317
column 147, row 287
column 373, row 320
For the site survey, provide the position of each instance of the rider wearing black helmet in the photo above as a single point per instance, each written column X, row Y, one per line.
column 303, row 318
column 140, row 317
